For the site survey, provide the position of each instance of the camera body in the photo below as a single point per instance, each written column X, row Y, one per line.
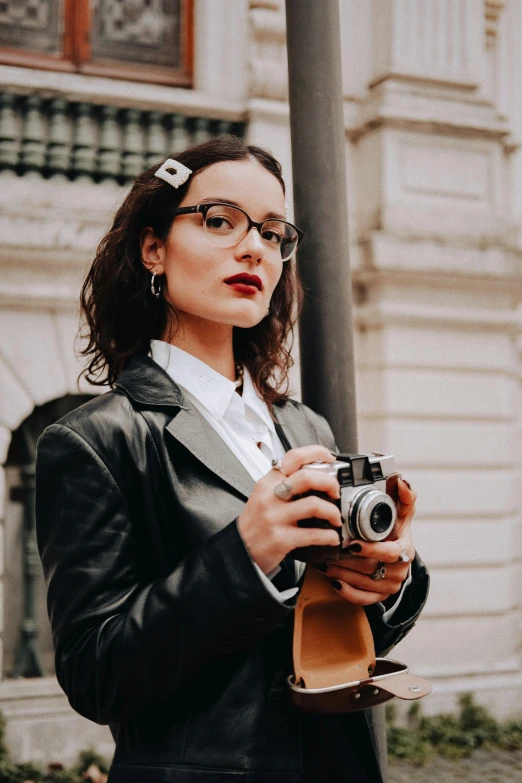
column 367, row 512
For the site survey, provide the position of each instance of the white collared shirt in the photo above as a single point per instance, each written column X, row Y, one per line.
column 242, row 422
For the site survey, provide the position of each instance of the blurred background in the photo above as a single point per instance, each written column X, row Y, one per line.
column 92, row 92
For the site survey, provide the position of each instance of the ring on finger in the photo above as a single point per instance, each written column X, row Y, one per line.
column 380, row 572
column 278, row 465
column 404, row 556
column 283, row 491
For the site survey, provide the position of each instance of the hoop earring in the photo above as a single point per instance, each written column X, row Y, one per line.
column 156, row 292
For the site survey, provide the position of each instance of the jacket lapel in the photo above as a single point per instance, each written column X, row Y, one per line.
column 148, row 385
column 192, row 430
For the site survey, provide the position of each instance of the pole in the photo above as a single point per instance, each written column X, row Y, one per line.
column 321, row 210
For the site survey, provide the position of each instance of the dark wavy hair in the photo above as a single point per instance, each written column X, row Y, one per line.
column 121, row 315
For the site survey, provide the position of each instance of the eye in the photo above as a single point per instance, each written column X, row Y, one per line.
column 219, row 223
column 273, row 235
column 221, row 219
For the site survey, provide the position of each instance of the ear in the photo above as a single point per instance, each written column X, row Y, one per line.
column 152, row 251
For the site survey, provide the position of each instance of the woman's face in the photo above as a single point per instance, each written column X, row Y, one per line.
column 196, row 270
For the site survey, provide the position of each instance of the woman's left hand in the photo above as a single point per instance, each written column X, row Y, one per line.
column 352, row 577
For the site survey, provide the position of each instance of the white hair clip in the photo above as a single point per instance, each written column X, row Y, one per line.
column 173, row 173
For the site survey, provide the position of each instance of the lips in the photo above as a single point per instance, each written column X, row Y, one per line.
column 245, row 280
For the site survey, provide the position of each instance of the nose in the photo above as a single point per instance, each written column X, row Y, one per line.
column 251, row 246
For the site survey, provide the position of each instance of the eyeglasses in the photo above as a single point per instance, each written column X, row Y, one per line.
column 226, row 226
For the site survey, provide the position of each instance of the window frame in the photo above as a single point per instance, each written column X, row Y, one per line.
column 76, row 52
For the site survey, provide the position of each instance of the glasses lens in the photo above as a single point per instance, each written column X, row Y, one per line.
column 225, row 225
column 281, row 236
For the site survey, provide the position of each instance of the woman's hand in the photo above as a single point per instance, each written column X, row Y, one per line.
column 268, row 525
column 352, row 577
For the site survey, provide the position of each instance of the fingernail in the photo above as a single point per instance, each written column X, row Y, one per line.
column 407, row 483
column 336, row 584
column 321, row 567
column 354, row 548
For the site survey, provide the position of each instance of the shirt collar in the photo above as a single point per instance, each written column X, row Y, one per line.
column 252, row 400
column 211, row 389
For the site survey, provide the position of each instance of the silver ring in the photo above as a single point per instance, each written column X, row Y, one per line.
column 278, row 465
column 380, row 572
column 283, row 491
column 404, row 556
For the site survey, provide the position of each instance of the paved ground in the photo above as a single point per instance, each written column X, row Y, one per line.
column 481, row 767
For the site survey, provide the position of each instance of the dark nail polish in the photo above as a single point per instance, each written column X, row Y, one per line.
column 321, row 567
column 354, row 548
column 336, row 584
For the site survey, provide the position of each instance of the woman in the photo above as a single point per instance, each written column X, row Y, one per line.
column 170, row 589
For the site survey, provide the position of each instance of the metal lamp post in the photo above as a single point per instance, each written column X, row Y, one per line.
column 318, row 163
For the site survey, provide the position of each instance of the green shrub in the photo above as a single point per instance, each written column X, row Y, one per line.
column 451, row 736
column 408, row 745
column 511, row 735
column 89, row 757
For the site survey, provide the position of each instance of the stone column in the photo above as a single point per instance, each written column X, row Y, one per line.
column 267, row 105
column 438, row 283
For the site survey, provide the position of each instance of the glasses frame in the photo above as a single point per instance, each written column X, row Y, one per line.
column 202, row 209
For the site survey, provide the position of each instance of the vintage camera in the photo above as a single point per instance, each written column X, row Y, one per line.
column 367, row 512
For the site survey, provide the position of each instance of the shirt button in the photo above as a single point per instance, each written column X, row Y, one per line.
column 258, row 622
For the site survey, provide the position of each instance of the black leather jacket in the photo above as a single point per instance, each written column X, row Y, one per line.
column 162, row 627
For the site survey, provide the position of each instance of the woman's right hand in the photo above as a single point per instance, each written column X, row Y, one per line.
column 268, row 525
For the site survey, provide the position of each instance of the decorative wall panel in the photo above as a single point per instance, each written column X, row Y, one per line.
column 31, row 24
column 138, row 31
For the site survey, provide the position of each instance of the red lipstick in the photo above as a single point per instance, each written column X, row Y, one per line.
column 245, row 283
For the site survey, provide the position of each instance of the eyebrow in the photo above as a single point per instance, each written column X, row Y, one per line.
column 268, row 216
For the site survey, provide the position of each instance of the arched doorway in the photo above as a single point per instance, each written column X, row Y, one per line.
column 28, row 650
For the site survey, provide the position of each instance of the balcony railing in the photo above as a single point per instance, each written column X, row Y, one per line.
column 60, row 139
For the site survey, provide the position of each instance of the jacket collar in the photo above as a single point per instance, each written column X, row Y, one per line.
column 148, row 385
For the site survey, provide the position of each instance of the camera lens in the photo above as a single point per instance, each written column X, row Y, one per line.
column 371, row 515
column 381, row 517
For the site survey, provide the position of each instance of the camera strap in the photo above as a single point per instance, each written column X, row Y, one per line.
column 335, row 667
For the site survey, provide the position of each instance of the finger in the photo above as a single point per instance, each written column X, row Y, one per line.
column 405, row 509
column 312, row 506
column 314, row 480
column 296, row 458
column 400, row 490
column 364, row 565
column 355, row 596
column 384, row 551
column 407, row 495
column 390, row 585
column 312, row 536
column 397, row 571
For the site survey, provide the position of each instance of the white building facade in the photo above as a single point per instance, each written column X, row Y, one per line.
column 433, row 115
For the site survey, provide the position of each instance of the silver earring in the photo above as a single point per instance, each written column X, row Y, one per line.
column 156, row 292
